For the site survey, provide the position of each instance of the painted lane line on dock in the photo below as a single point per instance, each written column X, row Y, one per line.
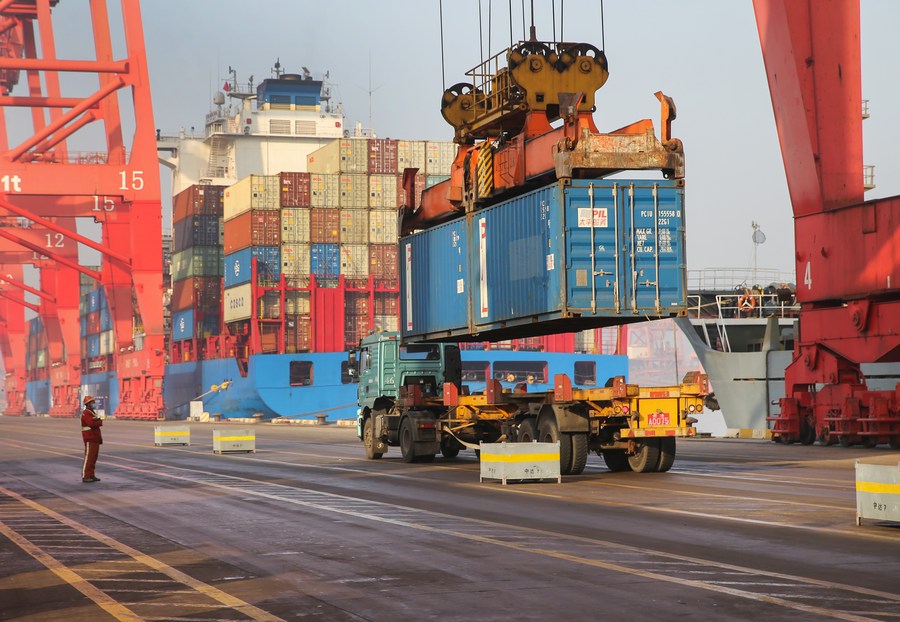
column 101, row 597
column 558, row 546
column 510, row 490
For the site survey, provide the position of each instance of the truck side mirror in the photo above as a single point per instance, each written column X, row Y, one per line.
column 352, row 369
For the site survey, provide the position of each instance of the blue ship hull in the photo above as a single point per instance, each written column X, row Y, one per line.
column 325, row 388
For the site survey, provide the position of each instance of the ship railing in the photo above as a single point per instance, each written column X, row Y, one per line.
column 731, row 279
column 755, row 305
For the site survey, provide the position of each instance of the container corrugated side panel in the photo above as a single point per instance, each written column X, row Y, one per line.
column 354, row 191
column 383, row 264
column 644, row 220
column 295, row 259
column 515, row 258
column 295, row 225
column 354, row 226
column 183, row 325
column 355, row 260
column 238, row 303
column 384, row 191
column 294, row 189
column 325, row 260
column 383, row 227
column 326, row 160
column 433, row 274
column 324, row 226
column 238, row 266
column 324, row 190
column 296, row 303
column 411, row 154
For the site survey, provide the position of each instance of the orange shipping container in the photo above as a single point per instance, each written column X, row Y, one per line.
column 198, row 200
column 324, row 226
column 383, row 262
column 386, row 303
column 253, row 228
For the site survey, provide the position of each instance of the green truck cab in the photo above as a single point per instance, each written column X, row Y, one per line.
column 391, row 377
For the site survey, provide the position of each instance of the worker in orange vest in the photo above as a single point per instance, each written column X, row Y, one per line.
column 90, row 434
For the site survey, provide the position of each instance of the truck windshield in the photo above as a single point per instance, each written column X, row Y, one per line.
column 423, row 352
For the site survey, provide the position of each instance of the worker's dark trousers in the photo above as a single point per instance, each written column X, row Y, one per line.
column 91, row 451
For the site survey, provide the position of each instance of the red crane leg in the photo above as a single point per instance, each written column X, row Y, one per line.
column 13, row 343
column 811, row 51
column 118, row 185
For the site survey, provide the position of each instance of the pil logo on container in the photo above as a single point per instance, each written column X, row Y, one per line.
column 181, row 324
column 237, row 268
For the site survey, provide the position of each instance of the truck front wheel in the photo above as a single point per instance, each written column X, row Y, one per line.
column 369, row 441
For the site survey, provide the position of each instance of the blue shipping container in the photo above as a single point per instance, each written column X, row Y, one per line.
column 325, row 260
column 558, row 259
column 105, row 318
column 93, row 346
column 84, row 325
column 238, row 265
column 94, row 300
column 183, row 325
column 445, row 249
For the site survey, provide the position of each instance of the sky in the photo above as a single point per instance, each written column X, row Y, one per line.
column 387, row 63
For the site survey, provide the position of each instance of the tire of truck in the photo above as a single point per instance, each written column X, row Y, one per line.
column 666, row 454
column 369, row 439
column 579, row 452
column 407, row 444
column 449, row 447
column 646, row 456
column 616, row 461
column 548, row 432
column 527, row 431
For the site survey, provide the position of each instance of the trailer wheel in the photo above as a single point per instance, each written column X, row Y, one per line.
column 449, row 447
column 548, row 431
column 407, row 444
column 645, row 457
column 616, row 461
column 666, row 454
column 894, row 442
column 369, row 439
column 579, row 452
column 527, row 432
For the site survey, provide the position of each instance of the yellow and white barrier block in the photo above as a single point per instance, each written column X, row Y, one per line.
column 877, row 492
column 171, row 435
column 520, row 461
column 227, row 440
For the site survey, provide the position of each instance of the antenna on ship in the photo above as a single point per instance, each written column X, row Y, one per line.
column 277, row 70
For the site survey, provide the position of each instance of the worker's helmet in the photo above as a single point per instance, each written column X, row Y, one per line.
column 88, row 399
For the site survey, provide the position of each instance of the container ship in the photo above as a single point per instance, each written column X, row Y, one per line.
column 283, row 255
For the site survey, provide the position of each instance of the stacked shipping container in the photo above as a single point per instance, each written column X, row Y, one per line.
column 197, row 265
column 97, row 340
column 324, row 244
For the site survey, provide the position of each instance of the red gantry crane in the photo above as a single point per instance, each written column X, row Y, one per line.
column 43, row 180
column 847, row 256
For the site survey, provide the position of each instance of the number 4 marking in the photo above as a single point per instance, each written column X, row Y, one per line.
column 807, row 276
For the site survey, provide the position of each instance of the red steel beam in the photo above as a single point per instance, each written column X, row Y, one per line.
column 20, row 301
column 66, row 232
column 9, row 279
